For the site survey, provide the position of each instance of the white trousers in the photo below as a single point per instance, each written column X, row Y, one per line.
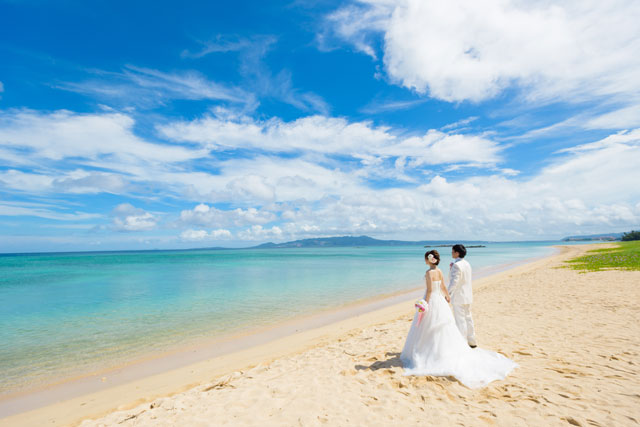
column 464, row 321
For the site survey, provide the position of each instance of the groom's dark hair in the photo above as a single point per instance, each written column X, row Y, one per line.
column 462, row 251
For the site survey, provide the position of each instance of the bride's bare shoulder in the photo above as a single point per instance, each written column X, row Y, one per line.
column 432, row 274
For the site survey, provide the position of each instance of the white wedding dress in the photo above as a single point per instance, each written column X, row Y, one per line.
column 436, row 347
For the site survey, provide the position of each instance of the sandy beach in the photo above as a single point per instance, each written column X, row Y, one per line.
column 574, row 335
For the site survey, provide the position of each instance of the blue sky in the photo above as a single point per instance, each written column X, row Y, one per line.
column 147, row 125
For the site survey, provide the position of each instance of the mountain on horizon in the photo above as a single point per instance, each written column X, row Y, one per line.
column 348, row 241
column 603, row 236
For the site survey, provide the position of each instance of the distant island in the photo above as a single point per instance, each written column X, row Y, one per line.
column 448, row 246
column 606, row 237
column 351, row 241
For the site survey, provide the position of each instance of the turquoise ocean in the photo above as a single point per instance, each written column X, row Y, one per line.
column 64, row 314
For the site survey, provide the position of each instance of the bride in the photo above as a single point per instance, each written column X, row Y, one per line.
column 435, row 346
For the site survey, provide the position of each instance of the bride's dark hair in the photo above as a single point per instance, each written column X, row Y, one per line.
column 435, row 254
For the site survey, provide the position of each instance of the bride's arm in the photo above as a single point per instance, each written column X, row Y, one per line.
column 445, row 292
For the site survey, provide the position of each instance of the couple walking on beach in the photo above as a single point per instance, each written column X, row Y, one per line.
column 441, row 341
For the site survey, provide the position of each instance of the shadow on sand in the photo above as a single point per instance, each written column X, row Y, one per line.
column 392, row 361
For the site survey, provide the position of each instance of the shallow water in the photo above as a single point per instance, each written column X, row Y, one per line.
column 64, row 314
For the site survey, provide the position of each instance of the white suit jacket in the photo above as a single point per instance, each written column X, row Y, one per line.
column 460, row 282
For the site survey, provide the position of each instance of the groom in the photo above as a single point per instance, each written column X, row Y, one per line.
column 460, row 290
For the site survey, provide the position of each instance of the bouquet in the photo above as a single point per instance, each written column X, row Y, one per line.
column 422, row 306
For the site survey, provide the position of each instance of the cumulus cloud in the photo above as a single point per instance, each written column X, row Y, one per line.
column 311, row 157
column 259, row 233
column 126, row 217
column 92, row 182
column 573, row 194
column 333, row 136
column 78, row 181
column 261, row 180
column 111, row 158
column 67, row 152
column 63, row 134
column 468, row 50
column 317, row 176
column 205, row 215
column 200, row 235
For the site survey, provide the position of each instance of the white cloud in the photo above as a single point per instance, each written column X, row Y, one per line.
column 588, row 189
column 205, row 215
column 101, row 149
column 258, row 233
column 200, row 235
column 509, row 171
column 77, row 181
column 356, row 24
column 333, row 136
column 128, row 218
column 220, row 44
column 147, row 87
column 468, row 50
column 260, row 180
column 220, row 234
column 325, row 182
column 623, row 118
column 459, row 124
column 194, row 235
column 278, row 85
column 63, row 134
column 257, row 75
column 267, row 179
column 107, row 156
column 82, row 181
column 22, row 181
column 376, row 107
column 43, row 210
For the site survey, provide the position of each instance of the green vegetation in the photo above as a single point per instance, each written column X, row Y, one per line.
column 632, row 235
column 626, row 256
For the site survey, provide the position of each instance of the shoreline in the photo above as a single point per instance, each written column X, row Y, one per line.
column 172, row 372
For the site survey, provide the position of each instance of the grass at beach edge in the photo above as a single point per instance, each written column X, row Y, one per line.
column 625, row 256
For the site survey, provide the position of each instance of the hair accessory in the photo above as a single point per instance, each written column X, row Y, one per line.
column 431, row 259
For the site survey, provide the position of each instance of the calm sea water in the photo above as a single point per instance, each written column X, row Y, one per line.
column 64, row 314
